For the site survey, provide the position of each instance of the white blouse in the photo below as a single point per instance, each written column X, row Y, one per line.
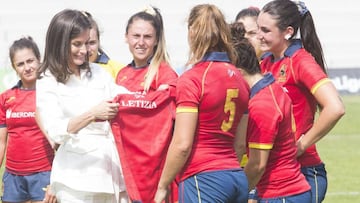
column 86, row 161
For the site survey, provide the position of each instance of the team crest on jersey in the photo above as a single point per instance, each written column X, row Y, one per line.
column 282, row 73
column 138, row 95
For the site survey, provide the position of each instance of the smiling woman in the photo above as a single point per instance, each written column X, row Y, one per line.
column 298, row 65
column 74, row 105
column 145, row 134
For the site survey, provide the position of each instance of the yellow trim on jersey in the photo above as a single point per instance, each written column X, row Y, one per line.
column 293, row 122
column 260, row 146
column 318, row 84
column 244, row 160
column 186, row 109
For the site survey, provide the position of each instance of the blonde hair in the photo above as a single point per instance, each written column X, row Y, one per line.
column 208, row 32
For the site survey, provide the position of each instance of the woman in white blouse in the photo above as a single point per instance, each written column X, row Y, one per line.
column 74, row 106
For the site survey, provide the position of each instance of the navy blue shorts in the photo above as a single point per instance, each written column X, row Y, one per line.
column 317, row 179
column 215, row 186
column 23, row 188
column 303, row 198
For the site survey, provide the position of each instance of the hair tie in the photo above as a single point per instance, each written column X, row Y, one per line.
column 86, row 14
column 150, row 10
column 302, row 8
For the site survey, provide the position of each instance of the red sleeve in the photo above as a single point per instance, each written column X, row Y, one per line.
column 188, row 91
column 307, row 70
column 2, row 110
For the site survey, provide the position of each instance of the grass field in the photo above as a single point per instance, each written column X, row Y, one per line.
column 339, row 150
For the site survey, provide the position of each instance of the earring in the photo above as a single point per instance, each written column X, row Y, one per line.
column 287, row 37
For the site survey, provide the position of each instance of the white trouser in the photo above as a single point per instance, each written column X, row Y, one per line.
column 67, row 195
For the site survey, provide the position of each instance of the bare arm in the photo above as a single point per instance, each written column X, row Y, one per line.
column 332, row 110
column 240, row 138
column 3, row 140
column 178, row 152
column 256, row 165
column 59, row 126
column 39, row 123
column 104, row 111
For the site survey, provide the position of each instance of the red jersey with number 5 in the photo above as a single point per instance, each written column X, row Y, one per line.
column 217, row 91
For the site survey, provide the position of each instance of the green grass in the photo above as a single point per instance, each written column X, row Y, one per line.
column 8, row 78
column 339, row 150
column 349, row 124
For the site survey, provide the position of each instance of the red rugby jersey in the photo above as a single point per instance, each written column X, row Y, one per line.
column 300, row 75
column 271, row 128
column 28, row 150
column 218, row 92
column 143, row 130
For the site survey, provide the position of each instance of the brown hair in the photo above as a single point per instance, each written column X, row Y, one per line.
column 209, row 32
column 22, row 43
column 247, row 59
column 65, row 26
column 288, row 13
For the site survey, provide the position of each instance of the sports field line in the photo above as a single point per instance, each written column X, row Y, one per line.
column 342, row 193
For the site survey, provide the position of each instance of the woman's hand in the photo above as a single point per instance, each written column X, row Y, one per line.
column 106, row 110
column 300, row 146
column 160, row 195
column 49, row 197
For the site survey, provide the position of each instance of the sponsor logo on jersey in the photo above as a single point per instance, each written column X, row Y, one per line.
column 285, row 90
column 123, row 78
column 10, row 114
column 231, row 73
column 10, row 99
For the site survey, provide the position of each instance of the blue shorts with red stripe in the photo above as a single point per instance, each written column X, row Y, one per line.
column 19, row 188
column 215, row 186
